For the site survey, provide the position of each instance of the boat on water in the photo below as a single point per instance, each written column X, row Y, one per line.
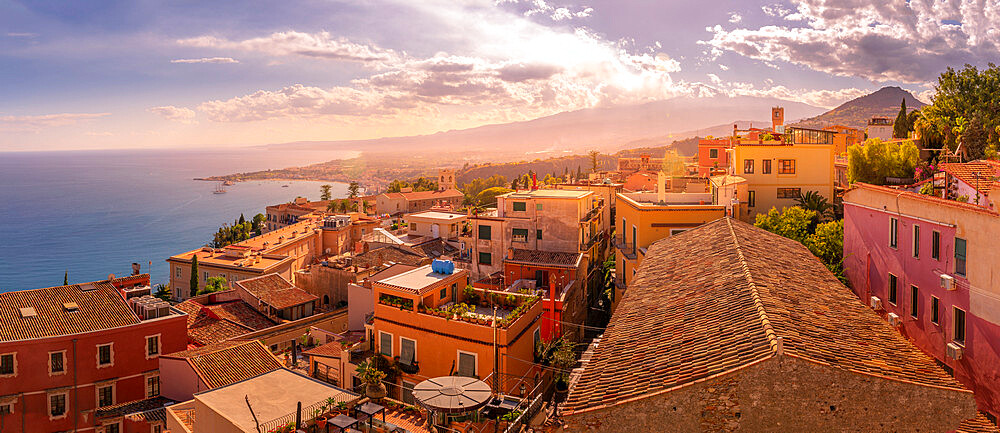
column 220, row 189
column 284, row 186
column 228, row 183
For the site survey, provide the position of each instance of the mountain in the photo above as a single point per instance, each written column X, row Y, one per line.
column 606, row 129
column 856, row 112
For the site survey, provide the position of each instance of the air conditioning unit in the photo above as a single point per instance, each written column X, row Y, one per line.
column 894, row 320
column 954, row 351
column 947, row 282
column 875, row 303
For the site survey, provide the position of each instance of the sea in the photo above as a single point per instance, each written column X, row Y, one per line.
column 89, row 214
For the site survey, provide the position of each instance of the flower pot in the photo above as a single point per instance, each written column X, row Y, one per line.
column 321, row 422
column 375, row 391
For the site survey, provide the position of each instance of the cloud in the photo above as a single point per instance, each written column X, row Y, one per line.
column 22, row 35
column 36, row 123
column 895, row 40
column 291, row 43
column 542, row 8
column 207, row 60
column 735, row 17
column 818, row 98
column 177, row 114
column 776, row 10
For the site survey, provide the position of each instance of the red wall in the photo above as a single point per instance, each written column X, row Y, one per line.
column 705, row 162
column 551, row 328
column 31, row 412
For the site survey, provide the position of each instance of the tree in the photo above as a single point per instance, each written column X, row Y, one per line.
column 163, row 292
column 66, row 278
column 964, row 94
column 352, row 189
column 324, row 192
column 513, row 183
column 790, row 222
column 827, row 243
column 593, row 154
column 813, row 201
column 214, row 284
column 194, row 275
column 488, row 197
column 579, row 173
column 901, row 128
column 242, row 219
column 876, row 160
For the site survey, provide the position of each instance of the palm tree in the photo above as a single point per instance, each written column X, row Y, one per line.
column 815, row 202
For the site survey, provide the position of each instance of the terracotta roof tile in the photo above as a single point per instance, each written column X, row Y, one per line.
column 220, row 322
column 979, row 424
column 100, row 306
column 328, row 350
column 427, row 195
column 229, row 362
column 545, row 258
column 150, row 409
column 381, row 256
column 716, row 298
column 276, row 291
column 977, row 174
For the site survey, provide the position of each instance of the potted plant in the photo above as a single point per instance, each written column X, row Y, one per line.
column 563, row 359
column 319, row 418
column 372, row 377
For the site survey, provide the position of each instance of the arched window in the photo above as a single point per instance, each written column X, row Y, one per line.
column 326, row 300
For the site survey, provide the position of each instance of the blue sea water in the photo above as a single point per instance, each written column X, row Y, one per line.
column 93, row 213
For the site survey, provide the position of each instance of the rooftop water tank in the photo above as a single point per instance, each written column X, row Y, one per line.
column 446, row 267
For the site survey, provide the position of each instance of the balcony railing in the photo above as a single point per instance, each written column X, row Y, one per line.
column 588, row 243
column 593, row 213
column 627, row 248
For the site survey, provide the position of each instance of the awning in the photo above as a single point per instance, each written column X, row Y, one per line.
column 452, row 394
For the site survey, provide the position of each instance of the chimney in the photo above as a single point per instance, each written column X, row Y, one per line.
column 135, row 268
column 534, row 181
column 661, row 193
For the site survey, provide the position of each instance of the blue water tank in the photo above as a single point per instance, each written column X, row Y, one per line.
column 443, row 266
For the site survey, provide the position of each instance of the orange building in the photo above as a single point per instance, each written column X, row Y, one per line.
column 433, row 327
column 845, row 137
column 712, row 156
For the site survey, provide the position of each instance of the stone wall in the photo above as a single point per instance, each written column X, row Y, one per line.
column 325, row 281
column 786, row 394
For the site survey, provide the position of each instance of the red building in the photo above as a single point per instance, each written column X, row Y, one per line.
column 560, row 279
column 69, row 352
column 712, row 156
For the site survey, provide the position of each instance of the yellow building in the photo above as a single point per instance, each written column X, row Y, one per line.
column 778, row 172
column 643, row 218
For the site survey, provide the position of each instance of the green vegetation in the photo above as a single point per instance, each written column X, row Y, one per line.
column 876, row 160
column 421, row 184
column 901, row 128
column 594, row 161
column 342, row 206
column 352, row 189
column 194, row 275
column 474, row 190
column 214, row 284
column 825, row 241
column 324, row 192
column 488, row 197
column 815, row 202
column 163, row 292
column 965, row 111
column 240, row 231
column 66, row 278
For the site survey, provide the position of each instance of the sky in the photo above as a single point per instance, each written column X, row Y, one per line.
column 102, row 74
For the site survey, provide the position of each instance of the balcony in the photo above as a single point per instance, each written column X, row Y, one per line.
column 589, row 243
column 627, row 248
column 593, row 212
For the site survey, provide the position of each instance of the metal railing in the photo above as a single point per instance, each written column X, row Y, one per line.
column 588, row 243
column 307, row 417
column 627, row 248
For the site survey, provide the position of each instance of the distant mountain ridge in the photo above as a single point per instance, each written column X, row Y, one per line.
column 856, row 112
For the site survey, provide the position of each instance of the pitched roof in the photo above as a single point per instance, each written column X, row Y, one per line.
column 381, row 256
column 150, row 409
column 718, row 297
column 896, row 193
column 978, row 174
column 549, row 258
column 328, row 350
column 99, row 306
column 229, row 362
column 276, row 291
column 213, row 323
column 979, row 424
column 426, row 195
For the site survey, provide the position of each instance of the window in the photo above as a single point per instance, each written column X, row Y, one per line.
column 157, row 428
column 789, row 192
column 152, row 346
column 407, row 396
column 959, row 326
column 747, row 166
column 385, row 343
column 105, row 395
column 892, row 289
column 936, row 245
column 537, row 338
column 152, row 386
column 413, row 227
column 786, row 166
column 960, row 256
column 538, row 234
column 485, row 258
column 485, row 232
column 204, row 276
column 916, row 240
column 407, row 351
column 765, row 166
column 935, row 304
column 752, row 199
column 112, row 428
column 466, row 364
column 178, row 271
column 6, row 409
column 538, row 206
column 104, row 355
column 57, row 405
column 520, row 206
column 444, row 293
column 893, row 232
column 677, row 231
column 713, row 153
column 913, row 301
column 56, row 362
column 520, row 235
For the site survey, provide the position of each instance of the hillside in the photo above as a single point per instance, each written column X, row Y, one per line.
column 856, row 112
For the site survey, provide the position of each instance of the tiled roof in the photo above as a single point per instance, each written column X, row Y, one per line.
column 276, row 291
column 100, row 306
column 228, row 362
column 150, row 409
column 978, row 174
column 209, row 324
column 185, row 414
column 979, row 424
column 545, row 258
column 426, row 195
column 717, row 298
column 328, row 350
column 381, row 256
column 896, row 193
column 432, row 248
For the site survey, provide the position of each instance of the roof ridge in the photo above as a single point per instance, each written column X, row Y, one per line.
column 754, row 294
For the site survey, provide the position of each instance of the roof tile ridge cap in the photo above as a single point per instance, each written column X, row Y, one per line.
column 758, row 304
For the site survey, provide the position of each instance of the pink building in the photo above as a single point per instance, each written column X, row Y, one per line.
column 928, row 266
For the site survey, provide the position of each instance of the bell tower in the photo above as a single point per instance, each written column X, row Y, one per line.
column 778, row 119
column 446, row 179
